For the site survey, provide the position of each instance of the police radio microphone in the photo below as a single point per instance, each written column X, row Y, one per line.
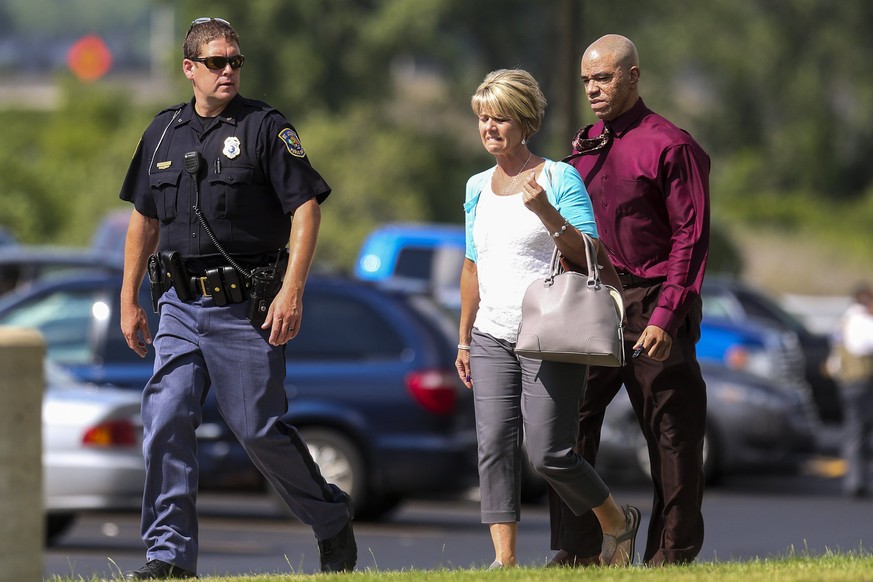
column 192, row 162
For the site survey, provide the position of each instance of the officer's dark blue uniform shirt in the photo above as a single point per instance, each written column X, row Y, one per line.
column 254, row 174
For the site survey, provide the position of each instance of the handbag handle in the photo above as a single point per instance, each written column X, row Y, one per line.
column 556, row 268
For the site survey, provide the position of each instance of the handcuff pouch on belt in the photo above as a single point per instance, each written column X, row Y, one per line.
column 222, row 284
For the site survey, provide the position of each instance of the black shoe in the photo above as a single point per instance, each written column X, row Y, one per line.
column 339, row 553
column 158, row 570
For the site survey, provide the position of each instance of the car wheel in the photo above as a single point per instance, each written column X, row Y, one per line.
column 340, row 462
column 56, row 524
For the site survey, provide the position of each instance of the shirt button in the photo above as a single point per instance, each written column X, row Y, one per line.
column 193, row 235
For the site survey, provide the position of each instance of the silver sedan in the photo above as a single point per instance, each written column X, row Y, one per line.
column 92, row 450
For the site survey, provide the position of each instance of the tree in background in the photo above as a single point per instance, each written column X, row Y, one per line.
column 775, row 92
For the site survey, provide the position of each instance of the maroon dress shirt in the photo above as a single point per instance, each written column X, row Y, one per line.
column 650, row 190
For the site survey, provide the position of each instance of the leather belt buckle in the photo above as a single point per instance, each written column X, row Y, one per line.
column 203, row 290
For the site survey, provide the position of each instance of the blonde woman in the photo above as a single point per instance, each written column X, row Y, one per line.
column 516, row 212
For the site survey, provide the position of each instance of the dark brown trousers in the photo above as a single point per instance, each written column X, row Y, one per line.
column 669, row 399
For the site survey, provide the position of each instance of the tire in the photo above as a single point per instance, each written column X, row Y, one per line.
column 56, row 525
column 340, row 462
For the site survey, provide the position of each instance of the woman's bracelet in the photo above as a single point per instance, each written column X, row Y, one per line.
column 562, row 230
column 464, row 347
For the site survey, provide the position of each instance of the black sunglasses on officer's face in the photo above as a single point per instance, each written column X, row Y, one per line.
column 218, row 63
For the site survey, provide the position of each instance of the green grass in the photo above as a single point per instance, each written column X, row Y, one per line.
column 843, row 567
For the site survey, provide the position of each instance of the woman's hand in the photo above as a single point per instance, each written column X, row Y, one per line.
column 462, row 363
column 533, row 195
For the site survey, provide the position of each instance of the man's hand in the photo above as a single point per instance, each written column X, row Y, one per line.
column 655, row 342
column 284, row 316
column 135, row 327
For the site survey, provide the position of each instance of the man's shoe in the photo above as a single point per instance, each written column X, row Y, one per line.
column 158, row 570
column 339, row 553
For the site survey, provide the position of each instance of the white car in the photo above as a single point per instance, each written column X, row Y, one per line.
column 92, row 450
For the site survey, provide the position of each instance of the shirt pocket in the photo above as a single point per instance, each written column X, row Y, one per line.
column 165, row 189
column 226, row 190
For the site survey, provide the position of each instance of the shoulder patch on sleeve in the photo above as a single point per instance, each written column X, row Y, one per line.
column 292, row 142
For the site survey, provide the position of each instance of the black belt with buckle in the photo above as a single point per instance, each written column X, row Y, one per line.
column 223, row 284
column 629, row 280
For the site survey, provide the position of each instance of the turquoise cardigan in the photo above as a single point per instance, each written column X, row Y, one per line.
column 565, row 191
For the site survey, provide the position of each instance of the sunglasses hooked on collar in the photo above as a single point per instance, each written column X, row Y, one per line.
column 585, row 145
column 218, row 63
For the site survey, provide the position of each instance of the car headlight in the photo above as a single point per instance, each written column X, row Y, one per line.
column 739, row 393
column 752, row 361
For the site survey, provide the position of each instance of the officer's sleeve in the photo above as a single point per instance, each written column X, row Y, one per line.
column 136, row 186
column 287, row 167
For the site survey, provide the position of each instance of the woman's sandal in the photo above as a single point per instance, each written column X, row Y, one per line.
column 611, row 544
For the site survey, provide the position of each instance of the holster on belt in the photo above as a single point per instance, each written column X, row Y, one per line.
column 176, row 274
column 156, row 280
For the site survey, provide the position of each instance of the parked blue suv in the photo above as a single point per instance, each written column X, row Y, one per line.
column 428, row 257
column 371, row 384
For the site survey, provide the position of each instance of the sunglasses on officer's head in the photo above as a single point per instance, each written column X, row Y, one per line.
column 204, row 20
column 218, row 63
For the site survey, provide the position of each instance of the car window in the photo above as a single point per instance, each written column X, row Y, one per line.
column 64, row 319
column 759, row 307
column 414, row 262
column 9, row 276
column 715, row 305
column 343, row 328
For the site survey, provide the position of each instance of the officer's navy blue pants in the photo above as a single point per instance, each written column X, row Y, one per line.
column 201, row 346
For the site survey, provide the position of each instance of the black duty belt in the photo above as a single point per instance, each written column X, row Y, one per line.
column 223, row 284
column 629, row 280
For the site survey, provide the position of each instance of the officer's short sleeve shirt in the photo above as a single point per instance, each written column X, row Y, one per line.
column 252, row 174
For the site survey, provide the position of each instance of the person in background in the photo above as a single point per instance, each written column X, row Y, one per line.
column 222, row 327
column 516, row 212
column 649, row 185
column 854, row 346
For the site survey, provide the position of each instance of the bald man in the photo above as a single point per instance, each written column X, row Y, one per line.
column 649, row 183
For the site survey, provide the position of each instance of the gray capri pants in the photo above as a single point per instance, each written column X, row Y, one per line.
column 510, row 393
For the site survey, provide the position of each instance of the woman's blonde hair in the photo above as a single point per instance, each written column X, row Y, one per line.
column 511, row 94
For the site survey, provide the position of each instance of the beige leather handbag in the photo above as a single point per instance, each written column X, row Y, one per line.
column 572, row 317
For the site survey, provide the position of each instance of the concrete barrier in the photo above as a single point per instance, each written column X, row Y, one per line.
column 21, row 503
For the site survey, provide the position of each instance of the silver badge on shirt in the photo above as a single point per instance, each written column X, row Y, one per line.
column 231, row 147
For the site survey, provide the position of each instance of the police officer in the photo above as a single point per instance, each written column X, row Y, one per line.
column 215, row 183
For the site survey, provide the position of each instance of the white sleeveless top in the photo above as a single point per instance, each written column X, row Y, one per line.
column 514, row 248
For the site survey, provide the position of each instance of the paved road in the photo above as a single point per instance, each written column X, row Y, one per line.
column 755, row 516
